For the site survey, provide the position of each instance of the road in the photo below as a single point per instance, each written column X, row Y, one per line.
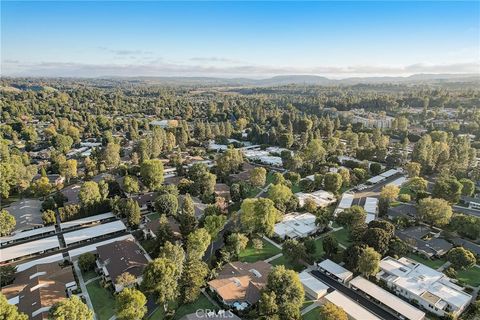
column 369, row 305
column 373, row 191
column 468, row 211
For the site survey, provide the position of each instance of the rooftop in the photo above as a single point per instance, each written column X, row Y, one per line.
column 335, row 269
column 353, row 309
column 93, row 232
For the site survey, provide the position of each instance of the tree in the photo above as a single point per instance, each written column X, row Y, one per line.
column 466, row 225
column 130, row 184
column 258, row 176
column 186, row 218
column 375, row 168
column 229, row 162
column 62, row 143
column 288, row 292
column 447, row 188
column 130, row 304
column 351, row 256
column 434, row 211
column 377, row 238
column 9, row 311
column 126, row 280
column 152, row 173
column 267, row 306
column 71, row 309
column 417, row 184
column 257, row 244
column 329, row 311
column 236, row 243
column 167, row 204
column 384, row 225
column 294, row 251
column 111, row 155
column 389, row 193
column 468, row 187
column 461, row 258
column 214, row 224
column 332, row 182
column 193, row 278
column 258, row 215
column 7, row 274
column 160, row 277
column 42, row 186
column 369, row 262
column 330, row 245
column 280, row 194
column 7, row 223
column 197, row 243
column 164, row 232
column 68, row 169
column 413, row 169
column 131, row 210
column 314, row 152
column 86, row 261
column 352, row 217
column 89, row 194
column 48, row 217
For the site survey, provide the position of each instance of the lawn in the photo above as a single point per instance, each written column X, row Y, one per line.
column 282, row 261
column 269, row 178
column 153, row 216
column 252, row 255
column 87, row 275
column 102, row 300
column 319, row 249
column 434, row 264
column 343, row 237
column 201, row 303
column 312, row 314
column 406, row 190
column 148, row 245
column 470, row 276
column 296, row 188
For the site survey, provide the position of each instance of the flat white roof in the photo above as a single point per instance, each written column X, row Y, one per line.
column 398, row 182
column 370, row 205
column 93, row 247
column 369, row 217
column 27, row 234
column 346, row 201
column 296, row 225
column 312, row 283
column 93, row 232
column 335, row 269
column 79, row 222
column 320, row 197
column 390, row 300
column 29, row 264
column 28, row 248
column 389, row 173
column 376, row 179
column 352, row 308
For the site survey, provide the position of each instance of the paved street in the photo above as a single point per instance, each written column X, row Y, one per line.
column 372, row 307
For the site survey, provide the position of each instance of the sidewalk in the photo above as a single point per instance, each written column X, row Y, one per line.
column 84, row 288
column 310, row 307
column 274, row 257
column 272, row 242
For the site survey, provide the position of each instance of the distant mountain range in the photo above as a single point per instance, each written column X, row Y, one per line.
column 306, row 80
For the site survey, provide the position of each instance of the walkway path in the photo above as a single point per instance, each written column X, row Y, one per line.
column 444, row 266
column 210, row 299
column 310, row 307
column 274, row 257
column 92, row 280
column 84, row 287
column 273, row 242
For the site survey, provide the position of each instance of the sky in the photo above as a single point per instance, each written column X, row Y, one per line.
column 239, row 39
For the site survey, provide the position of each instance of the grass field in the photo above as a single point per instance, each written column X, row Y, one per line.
column 319, row 246
column 312, row 314
column 102, row 300
column 282, row 261
column 153, row 216
column 470, row 276
column 435, row 264
column 343, row 237
column 201, row 303
column 252, row 255
column 87, row 275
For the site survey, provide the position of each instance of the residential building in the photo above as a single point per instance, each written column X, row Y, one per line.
column 424, row 240
column 36, row 289
column 296, row 225
column 320, row 197
column 354, row 310
column 312, row 286
column 119, row 257
column 430, row 289
column 335, row 271
column 239, row 284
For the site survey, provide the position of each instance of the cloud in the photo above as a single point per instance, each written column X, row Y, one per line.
column 160, row 67
column 214, row 59
column 124, row 52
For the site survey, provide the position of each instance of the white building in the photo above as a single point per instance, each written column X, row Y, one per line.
column 353, row 309
column 296, row 225
column 335, row 270
column 321, row 198
column 431, row 289
column 371, row 208
column 386, row 299
column 98, row 231
column 29, row 248
column 313, row 287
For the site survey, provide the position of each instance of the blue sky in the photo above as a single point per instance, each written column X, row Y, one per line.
column 230, row 39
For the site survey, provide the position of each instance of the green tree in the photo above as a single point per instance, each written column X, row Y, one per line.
column 434, row 211
column 413, row 169
column 314, row 152
column 152, row 173
column 330, row 245
column 42, row 186
column 389, row 193
column 89, row 194
column 164, row 232
column 62, row 143
column 447, row 188
column 131, row 210
column 130, row 184
column 352, row 217
column 461, row 258
column 175, row 253
column 294, row 251
column 167, row 204
column 258, row 176
column 329, row 311
column 111, row 155
column 86, row 261
column 130, row 304
column 197, row 243
column 214, row 224
column 9, row 311
column 193, row 278
column 468, row 187
column 186, row 218
column 236, row 243
column 280, row 194
column 229, row 162
column 377, row 238
column 369, row 262
column 7, row 274
column 68, row 169
column 417, row 184
column 332, row 182
column 351, row 256
column 258, row 215
column 48, row 217
column 7, row 223
column 71, row 309
column 160, row 277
